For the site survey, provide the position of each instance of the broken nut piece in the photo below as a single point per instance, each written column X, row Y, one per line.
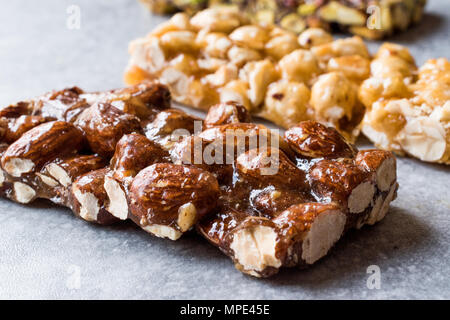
column 134, row 152
column 89, row 198
column 343, row 182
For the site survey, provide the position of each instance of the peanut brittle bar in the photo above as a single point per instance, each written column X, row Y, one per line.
column 408, row 109
column 266, row 201
column 218, row 56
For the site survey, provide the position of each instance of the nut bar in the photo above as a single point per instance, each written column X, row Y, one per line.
column 294, row 216
column 408, row 109
column 372, row 19
column 217, row 56
column 50, row 146
column 265, row 200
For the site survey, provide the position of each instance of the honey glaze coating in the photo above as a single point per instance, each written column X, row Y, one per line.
column 293, row 213
column 171, row 195
column 265, row 200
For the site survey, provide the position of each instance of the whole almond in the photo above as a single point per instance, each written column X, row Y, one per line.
column 40, row 145
column 159, row 191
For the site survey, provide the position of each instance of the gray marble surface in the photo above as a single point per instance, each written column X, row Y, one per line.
column 47, row 253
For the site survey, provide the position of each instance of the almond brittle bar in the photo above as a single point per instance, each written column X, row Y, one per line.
column 267, row 201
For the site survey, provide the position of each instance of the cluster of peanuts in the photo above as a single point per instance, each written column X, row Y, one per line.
column 408, row 108
column 218, row 56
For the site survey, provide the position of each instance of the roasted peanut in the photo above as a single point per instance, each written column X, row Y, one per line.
column 236, row 90
column 217, row 19
column 286, row 103
column 178, row 22
column 300, row 66
column 333, row 97
column 258, row 75
column 239, row 56
column 394, row 50
column 341, row 47
column 178, row 41
column 353, row 67
column 253, row 37
column 314, row 37
column 280, row 46
column 216, row 44
column 223, row 75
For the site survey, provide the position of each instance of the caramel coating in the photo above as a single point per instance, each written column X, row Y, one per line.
column 104, row 125
column 167, row 121
column 270, row 201
column 92, row 183
column 16, row 110
column 65, row 104
column 16, row 127
column 211, row 156
column 334, row 180
column 408, row 109
column 263, row 167
column 133, row 153
column 144, row 100
column 43, row 143
column 245, row 136
column 74, row 166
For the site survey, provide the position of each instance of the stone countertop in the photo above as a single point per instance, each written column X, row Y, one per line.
column 47, row 253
